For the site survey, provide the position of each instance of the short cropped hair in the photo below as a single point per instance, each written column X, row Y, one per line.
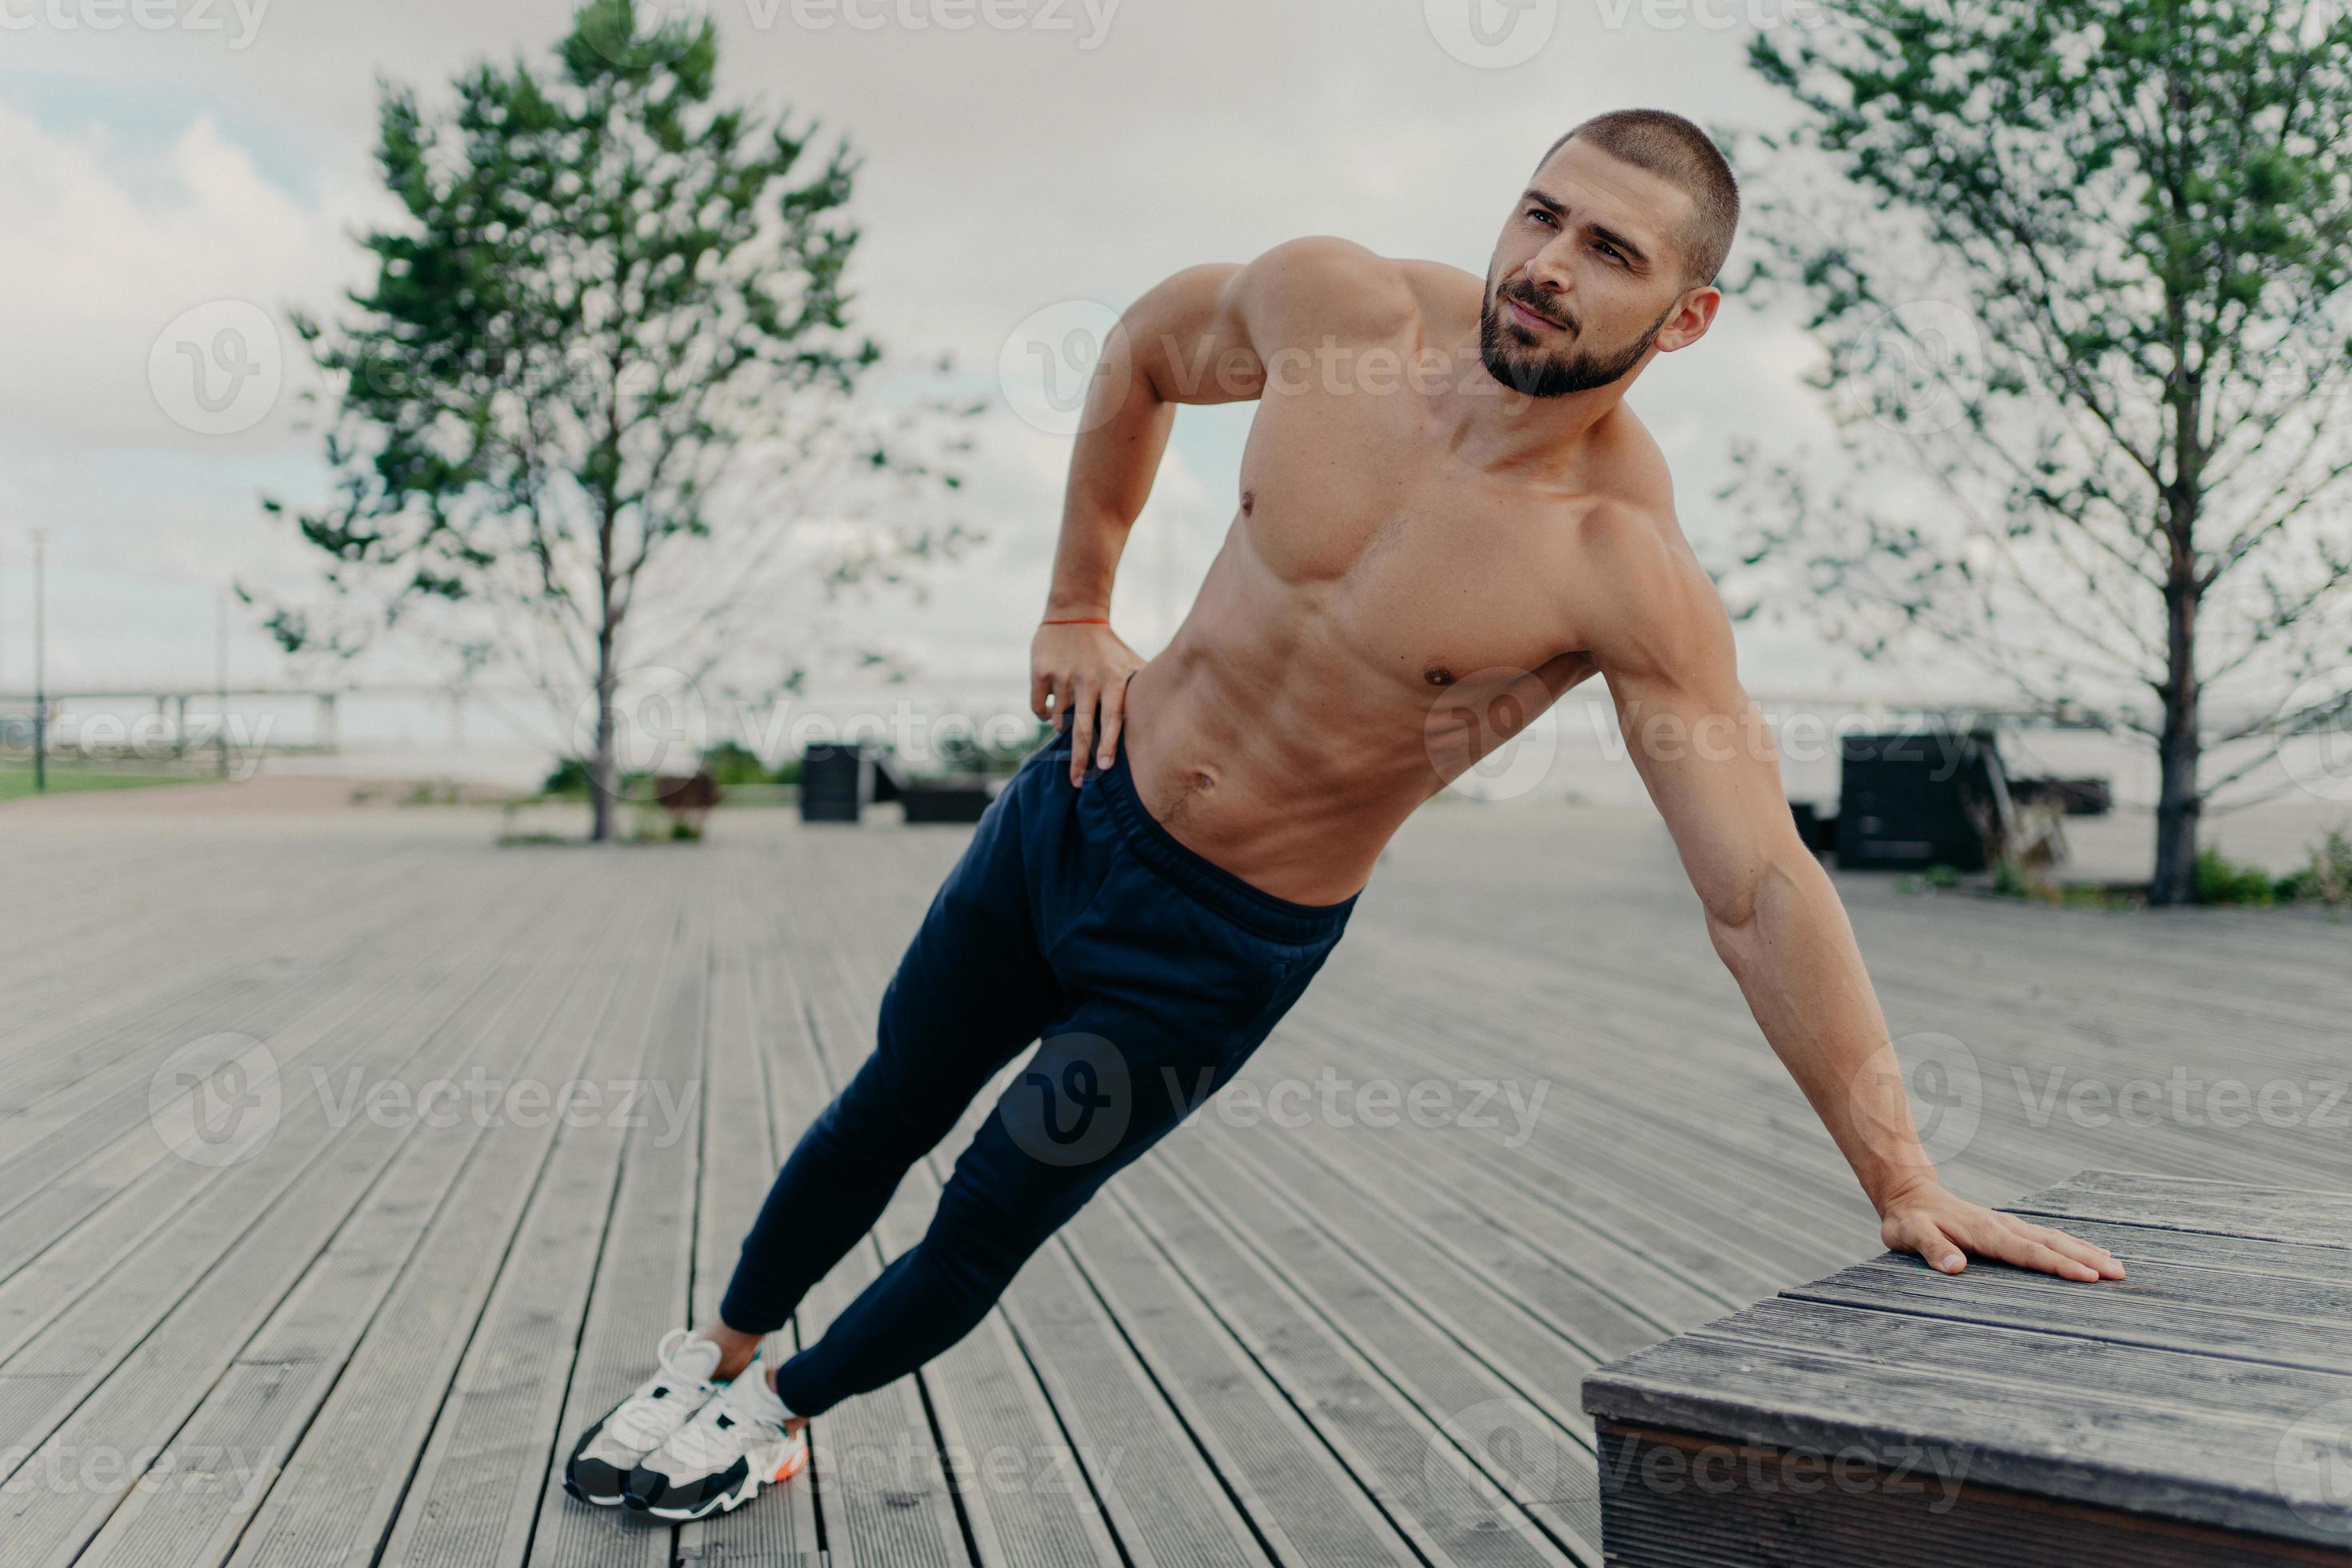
column 1673, row 149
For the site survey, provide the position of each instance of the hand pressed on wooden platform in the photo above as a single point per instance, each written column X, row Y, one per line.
column 1930, row 1220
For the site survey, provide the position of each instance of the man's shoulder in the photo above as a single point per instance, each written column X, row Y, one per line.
column 1321, row 286
column 1639, row 579
column 1631, row 476
column 1448, row 297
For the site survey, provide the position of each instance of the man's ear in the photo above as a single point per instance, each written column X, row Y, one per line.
column 1691, row 318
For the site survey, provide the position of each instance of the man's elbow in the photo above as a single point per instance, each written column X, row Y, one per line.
column 1731, row 927
column 1739, row 908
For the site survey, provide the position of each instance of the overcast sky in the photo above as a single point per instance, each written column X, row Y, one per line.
column 164, row 156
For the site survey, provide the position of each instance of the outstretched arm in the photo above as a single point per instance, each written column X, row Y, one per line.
column 1703, row 750
column 1202, row 336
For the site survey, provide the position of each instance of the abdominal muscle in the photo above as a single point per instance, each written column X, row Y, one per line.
column 1259, row 740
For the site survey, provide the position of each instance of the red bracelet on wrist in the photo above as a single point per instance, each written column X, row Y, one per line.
column 1089, row 621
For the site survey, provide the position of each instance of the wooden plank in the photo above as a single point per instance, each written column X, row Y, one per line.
column 127, row 964
column 643, row 1279
column 94, row 1212
column 1419, row 1480
column 99, row 1106
column 1166, row 1503
column 1299, row 1498
column 151, row 1390
column 388, row 1366
column 739, row 1161
column 476, row 1493
column 760, row 1036
column 1954, row 1425
column 148, row 1265
column 2023, row 1366
column 2197, row 1312
column 1527, row 1457
column 2204, row 1249
column 1545, row 1360
column 144, row 975
column 2315, row 1218
column 1422, row 1261
column 1687, row 1500
column 1578, row 1251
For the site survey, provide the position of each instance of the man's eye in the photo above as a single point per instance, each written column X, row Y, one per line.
column 1539, row 215
column 1609, row 250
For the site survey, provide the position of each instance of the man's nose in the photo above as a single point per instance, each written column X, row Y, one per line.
column 1548, row 269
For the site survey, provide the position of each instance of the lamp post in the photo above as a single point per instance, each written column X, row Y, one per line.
column 220, row 668
column 41, row 663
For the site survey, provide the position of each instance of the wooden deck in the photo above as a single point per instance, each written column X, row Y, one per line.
column 1889, row 1414
column 1340, row 1317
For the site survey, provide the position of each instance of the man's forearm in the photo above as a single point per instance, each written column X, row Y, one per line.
column 1797, row 963
column 1121, row 436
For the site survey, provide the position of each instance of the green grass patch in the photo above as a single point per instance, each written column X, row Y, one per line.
column 73, row 778
column 2323, row 881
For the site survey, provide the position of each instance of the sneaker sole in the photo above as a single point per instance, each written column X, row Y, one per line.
column 727, row 1503
column 576, row 1489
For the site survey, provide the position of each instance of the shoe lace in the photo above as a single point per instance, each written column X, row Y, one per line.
column 722, row 1430
column 646, row 1418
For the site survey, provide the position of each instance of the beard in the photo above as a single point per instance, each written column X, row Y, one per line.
column 1511, row 359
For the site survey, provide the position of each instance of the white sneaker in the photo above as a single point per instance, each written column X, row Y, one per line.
column 718, row 1461
column 598, row 1470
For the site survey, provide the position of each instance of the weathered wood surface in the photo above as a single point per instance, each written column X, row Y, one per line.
column 1522, row 1126
column 2212, row 1387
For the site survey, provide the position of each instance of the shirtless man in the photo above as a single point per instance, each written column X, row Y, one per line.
column 1448, row 517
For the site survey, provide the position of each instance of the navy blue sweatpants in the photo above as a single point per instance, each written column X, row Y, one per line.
column 1148, row 975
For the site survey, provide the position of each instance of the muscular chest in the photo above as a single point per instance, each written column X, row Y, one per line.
column 1431, row 574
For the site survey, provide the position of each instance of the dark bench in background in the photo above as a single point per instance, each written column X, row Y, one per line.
column 2198, row 1411
column 837, row 783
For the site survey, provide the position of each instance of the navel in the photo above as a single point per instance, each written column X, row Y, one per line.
column 1249, row 503
column 1438, row 676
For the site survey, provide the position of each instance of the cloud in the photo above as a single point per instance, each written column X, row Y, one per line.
column 1005, row 169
